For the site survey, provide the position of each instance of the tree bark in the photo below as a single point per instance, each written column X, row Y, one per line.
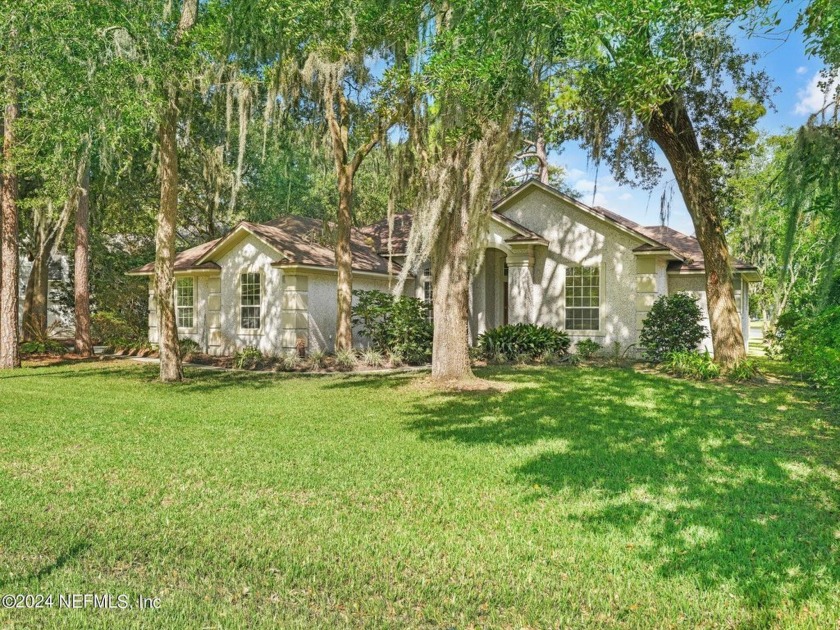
column 344, row 260
column 170, row 357
column 542, row 157
column 9, row 261
column 451, row 296
column 36, row 294
column 167, row 217
column 338, row 121
column 671, row 128
column 81, row 258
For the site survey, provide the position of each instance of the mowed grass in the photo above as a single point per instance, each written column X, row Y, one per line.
column 582, row 497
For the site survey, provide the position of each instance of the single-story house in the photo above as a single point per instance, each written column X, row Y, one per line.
column 549, row 259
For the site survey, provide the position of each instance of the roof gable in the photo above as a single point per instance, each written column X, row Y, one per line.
column 610, row 218
column 296, row 240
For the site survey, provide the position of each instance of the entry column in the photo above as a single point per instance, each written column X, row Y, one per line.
column 520, row 285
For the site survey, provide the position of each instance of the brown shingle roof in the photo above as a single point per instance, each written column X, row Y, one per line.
column 185, row 260
column 378, row 232
column 685, row 246
column 300, row 240
column 306, row 241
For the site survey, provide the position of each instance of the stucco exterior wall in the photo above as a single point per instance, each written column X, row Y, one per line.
column 577, row 238
column 300, row 304
column 323, row 308
column 694, row 285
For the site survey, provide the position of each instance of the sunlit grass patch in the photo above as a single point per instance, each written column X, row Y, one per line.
column 567, row 497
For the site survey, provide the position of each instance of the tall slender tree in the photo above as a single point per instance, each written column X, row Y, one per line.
column 167, row 218
column 81, row 263
column 345, row 122
column 9, row 258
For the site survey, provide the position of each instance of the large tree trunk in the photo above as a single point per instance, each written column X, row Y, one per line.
column 344, row 261
column 9, row 262
column 671, row 128
column 81, row 258
column 170, row 357
column 451, row 288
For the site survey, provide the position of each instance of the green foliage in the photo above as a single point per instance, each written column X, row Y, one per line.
column 187, row 347
column 345, row 359
column 812, row 345
column 395, row 359
column 317, row 358
column 248, row 358
column 110, row 329
column 372, row 357
column 774, row 336
column 691, row 364
column 523, row 341
column 290, row 361
column 394, row 325
column 745, row 370
column 821, row 19
column 44, row 346
column 672, row 325
column 587, row 348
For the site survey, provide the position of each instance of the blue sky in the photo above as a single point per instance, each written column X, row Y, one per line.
column 782, row 56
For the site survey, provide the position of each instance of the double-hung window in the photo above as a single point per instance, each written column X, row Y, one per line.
column 428, row 293
column 583, row 298
column 185, row 302
column 250, row 301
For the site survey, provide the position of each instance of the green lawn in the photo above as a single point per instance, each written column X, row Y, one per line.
column 584, row 497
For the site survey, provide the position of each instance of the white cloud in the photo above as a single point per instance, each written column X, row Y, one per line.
column 801, row 70
column 625, row 196
column 814, row 97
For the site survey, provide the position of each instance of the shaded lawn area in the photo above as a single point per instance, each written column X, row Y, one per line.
column 585, row 497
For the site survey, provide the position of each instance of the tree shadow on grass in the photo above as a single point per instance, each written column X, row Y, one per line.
column 75, row 550
column 727, row 484
column 207, row 381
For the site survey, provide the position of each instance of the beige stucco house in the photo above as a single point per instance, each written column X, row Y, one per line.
column 549, row 259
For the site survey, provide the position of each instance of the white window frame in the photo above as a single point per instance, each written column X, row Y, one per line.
column 258, row 329
column 600, row 267
column 179, row 307
column 428, row 292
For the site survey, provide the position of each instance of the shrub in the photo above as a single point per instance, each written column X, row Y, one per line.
column 691, row 364
column 317, row 358
column 345, row 359
column 290, row 361
column 47, row 346
column 247, row 358
column 812, row 345
column 515, row 340
column 372, row 357
column 109, row 329
column 775, row 335
column 745, row 370
column 672, row 325
column 395, row 359
column 187, row 347
column 587, row 348
column 392, row 324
